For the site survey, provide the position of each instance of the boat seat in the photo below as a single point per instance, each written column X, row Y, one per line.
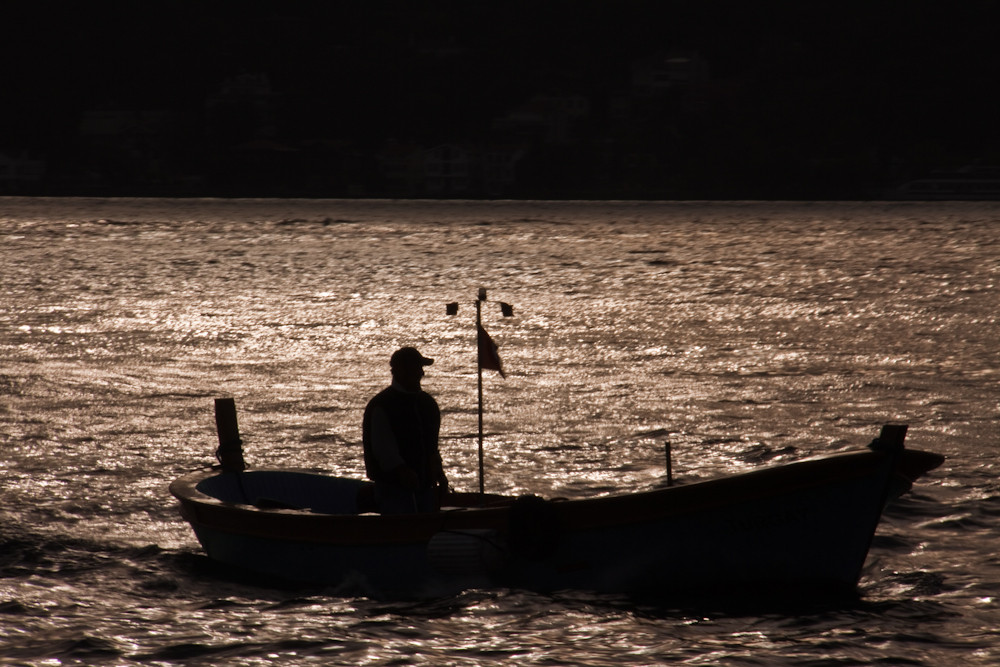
column 265, row 503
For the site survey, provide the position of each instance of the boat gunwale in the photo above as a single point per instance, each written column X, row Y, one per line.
column 205, row 511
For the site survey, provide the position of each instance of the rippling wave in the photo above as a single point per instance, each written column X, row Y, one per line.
column 743, row 333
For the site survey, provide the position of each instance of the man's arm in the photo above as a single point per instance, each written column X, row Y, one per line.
column 437, row 466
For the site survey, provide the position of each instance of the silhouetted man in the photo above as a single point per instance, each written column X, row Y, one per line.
column 400, row 434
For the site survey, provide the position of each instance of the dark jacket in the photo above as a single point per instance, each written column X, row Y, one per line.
column 415, row 420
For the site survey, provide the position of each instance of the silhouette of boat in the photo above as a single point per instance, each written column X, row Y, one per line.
column 794, row 527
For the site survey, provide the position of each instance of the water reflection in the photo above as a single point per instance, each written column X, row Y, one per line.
column 743, row 333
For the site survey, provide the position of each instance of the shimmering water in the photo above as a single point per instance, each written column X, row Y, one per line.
column 743, row 333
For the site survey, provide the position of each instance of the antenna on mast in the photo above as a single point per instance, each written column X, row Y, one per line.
column 487, row 357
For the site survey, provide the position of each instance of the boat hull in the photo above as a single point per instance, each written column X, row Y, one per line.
column 804, row 524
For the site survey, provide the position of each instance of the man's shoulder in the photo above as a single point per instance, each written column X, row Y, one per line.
column 391, row 393
column 380, row 398
column 395, row 396
column 427, row 398
column 388, row 391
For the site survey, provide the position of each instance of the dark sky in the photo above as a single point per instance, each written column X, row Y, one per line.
column 910, row 79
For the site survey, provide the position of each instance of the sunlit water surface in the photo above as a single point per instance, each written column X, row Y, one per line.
column 744, row 333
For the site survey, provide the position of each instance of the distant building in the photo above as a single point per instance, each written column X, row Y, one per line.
column 129, row 145
column 971, row 182
column 245, row 107
column 401, row 168
column 498, row 165
column 656, row 74
column 19, row 172
column 448, row 170
column 112, row 125
column 549, row 118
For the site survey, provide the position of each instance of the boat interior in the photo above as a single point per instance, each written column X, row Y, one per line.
column 291, row 490
column 313, row 492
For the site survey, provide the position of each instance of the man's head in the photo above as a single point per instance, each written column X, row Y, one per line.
column 408, row 367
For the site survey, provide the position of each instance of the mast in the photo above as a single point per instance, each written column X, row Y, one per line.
column 485, row 349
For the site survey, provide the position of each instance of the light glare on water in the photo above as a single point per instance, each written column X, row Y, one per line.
column 743, row 333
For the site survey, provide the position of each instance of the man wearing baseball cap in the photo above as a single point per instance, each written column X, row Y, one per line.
column 400, row 434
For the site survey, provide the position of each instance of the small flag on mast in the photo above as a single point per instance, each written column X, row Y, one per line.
column 489, row 355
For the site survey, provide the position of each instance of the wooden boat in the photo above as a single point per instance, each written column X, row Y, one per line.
column 805, row 525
